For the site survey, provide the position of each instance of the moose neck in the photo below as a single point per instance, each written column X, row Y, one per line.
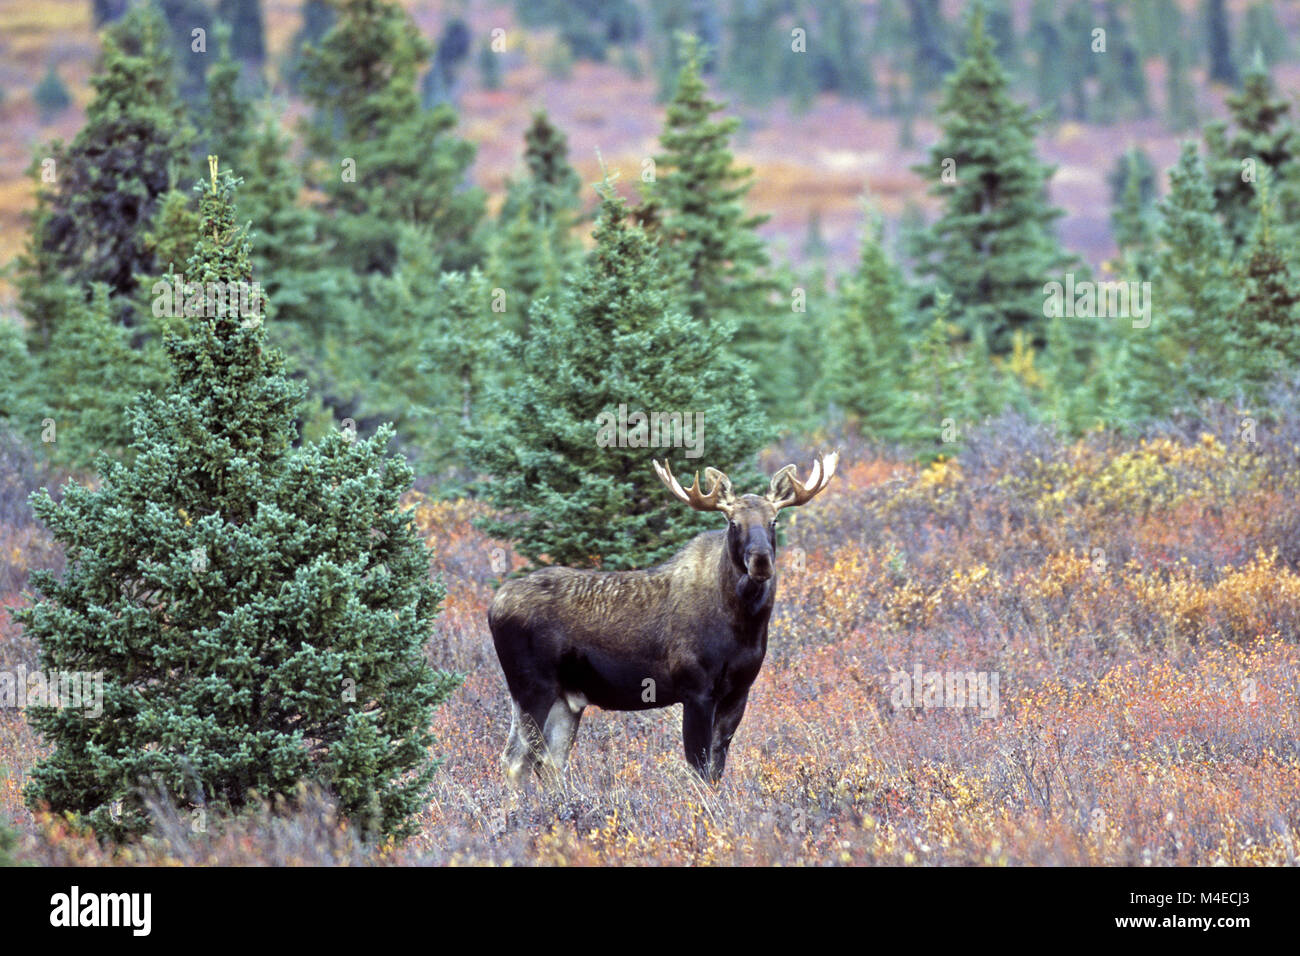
column 751, row 599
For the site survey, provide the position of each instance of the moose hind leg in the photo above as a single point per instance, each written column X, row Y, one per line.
column 560, row 729
column 518, row 755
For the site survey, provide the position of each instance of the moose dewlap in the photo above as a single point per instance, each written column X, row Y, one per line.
column 692, row 631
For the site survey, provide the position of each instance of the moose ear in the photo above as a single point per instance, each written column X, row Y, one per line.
column 780, row 488
column 713, row 477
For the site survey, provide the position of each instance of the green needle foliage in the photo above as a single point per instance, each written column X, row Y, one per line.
column 97, row 197
column 866, row 347
column 385, row 160
column 613, row 338
column 714, row 249
column 1198, row 296
column 1263, row 139
column 993, row 246
column 259, row 617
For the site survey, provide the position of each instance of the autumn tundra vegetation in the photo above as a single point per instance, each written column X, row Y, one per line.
column 283, row 572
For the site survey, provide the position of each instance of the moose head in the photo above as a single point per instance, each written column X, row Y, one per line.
column 751, row 519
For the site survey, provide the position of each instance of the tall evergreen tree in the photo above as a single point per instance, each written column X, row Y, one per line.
column 577, row 494
column 710, row 240
column 1263, row 137
column 1218, row 33
column 994, row 246
column 717, row 260
column 1268, row 319
column 258, row 617
column 866, row 343
column 384, row 160
column 51, row 96
column 1133, row 193
column 1198, row 296
column 91, row 221
column 549, row 189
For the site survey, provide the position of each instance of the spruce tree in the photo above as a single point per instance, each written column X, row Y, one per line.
column 88, row 379
column 1268, row 319
column 717, row 261
column 258, row 617
column 710, row 241
column 1219, row 37
column 1132, row 216
column 1263, row 137
column 91, row 222
column 383, row 160
column 570, row 490
column 866, row 344
column 993, row 247
column 549, row 190
column 1197, row 294
column 51, row 96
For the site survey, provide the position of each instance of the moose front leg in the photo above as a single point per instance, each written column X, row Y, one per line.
column 697, row 733
column 725, row 723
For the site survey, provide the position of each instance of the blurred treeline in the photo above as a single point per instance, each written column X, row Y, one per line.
column 492, row 341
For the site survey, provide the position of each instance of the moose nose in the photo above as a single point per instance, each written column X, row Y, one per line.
column 758, row 562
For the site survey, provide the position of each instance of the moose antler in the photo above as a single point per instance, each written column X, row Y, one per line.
column 823, row 470
column 713, row 501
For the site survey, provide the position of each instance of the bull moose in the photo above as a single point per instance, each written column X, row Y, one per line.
column 691, row 631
